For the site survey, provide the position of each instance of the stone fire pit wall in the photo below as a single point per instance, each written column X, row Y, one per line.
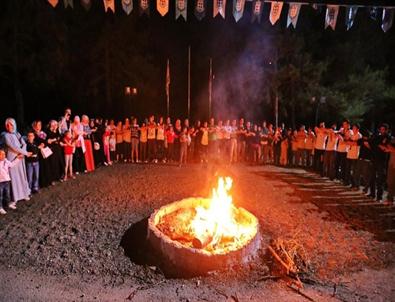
column 178, row 260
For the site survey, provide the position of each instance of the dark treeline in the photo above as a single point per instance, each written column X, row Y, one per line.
column 56, row 58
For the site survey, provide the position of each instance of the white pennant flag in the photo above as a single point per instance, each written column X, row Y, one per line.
column 293, row 14
column 127, row 6
column 181, row 9
column 68, row 3
column 162, row 6
column 275, row 11
column 53, row 2
column 219, row 7
column 332, row 12
column 109, row 5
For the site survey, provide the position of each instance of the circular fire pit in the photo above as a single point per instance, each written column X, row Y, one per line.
column 187, row 253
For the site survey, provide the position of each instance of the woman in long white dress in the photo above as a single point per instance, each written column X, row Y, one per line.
column 15, row 145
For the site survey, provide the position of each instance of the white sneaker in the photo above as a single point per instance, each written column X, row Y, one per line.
column 12, row 205
column 2, row 211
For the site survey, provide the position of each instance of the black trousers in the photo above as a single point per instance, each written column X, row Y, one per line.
column 378, row 178
column 318, row 160
column 127, row 150
column 341, row 165
column 151, row 149
column 79, row 160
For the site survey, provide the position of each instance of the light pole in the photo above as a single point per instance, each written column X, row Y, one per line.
column 130, row 92
column 317, row 110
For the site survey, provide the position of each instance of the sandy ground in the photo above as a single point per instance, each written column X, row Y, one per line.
column 72, row 242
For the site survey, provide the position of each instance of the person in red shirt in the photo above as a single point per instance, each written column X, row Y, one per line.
column 68, row 147
column 170, row 137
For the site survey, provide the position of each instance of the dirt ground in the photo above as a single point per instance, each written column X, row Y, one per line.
column 76, row 240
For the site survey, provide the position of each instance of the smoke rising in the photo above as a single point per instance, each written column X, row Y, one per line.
column 240, row 87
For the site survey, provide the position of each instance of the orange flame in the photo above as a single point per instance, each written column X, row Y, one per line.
column 217, row 221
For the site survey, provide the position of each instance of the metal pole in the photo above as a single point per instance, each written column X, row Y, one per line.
column 189, row 81
column 210, row 88
column 168, row 88
column 276, row 111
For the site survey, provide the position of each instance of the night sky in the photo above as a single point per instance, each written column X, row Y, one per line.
column 61, row 58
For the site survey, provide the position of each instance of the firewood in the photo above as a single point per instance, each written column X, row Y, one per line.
column 202, row 240
column 277, row 257
column 300, row 292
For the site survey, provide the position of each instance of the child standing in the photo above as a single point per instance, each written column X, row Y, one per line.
column 170, row 136
column 143, row 142
column 32, row 163
column 5, row 182
column 68, row 147
column 184, row 139
column 113, row 147
column 106, row 146
column 135, row 141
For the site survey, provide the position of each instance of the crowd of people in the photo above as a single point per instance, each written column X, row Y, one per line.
column 41, row 157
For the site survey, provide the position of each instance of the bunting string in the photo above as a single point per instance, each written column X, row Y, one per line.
column 383, row 14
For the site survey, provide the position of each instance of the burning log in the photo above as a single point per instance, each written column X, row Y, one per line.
column 202, row 240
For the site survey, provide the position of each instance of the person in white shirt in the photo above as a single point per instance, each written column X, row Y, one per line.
column 5, row 181
column 319, row 147
column 330, row 153
column 343, row 135
column 352, row 158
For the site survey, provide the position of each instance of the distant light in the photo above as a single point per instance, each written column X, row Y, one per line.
column 270, row 62
column 130, row 91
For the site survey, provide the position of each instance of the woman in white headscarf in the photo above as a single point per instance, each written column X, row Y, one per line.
column 15, row 145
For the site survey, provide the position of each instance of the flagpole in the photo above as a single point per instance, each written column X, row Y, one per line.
column 189, row 81
column 168, row 88
column 210, row 88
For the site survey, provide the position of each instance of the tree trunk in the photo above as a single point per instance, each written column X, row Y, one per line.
column 20, row 108
column 108, row 67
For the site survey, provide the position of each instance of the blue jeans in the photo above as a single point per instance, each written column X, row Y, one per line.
column 5, row 193
column 33, row 170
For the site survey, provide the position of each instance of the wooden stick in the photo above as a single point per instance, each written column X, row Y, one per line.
column 297, row 290
column 277, row 257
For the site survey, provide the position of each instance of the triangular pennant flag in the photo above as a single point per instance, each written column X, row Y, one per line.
column 68, row 3
column 388, row 19
column 219, row 7
column 200, row 9
column 374, row 13
column 257, row 8
column 144, row 7
column 127, row 6
column 238, row 9
column 275, row 11
column 86, row 4
column 332, row 11
column 351, row 12
column 109, row 5
column 293, row 14
column 181, row 9
column 318, row 7
column 53, row 2
column 162, row 6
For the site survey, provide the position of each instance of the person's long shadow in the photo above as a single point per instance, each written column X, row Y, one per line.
column 135, row 245
column 137, row 248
